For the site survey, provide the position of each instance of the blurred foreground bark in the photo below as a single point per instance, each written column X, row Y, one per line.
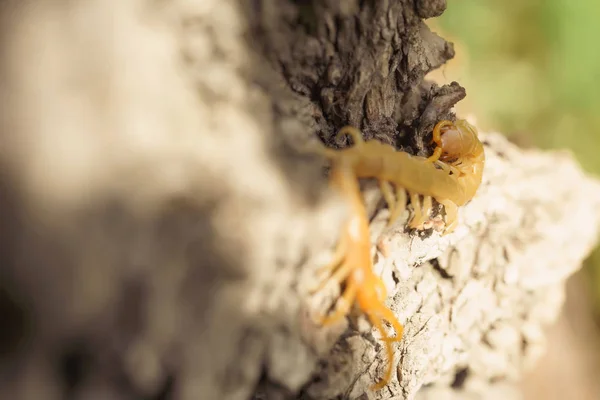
column 163, row 215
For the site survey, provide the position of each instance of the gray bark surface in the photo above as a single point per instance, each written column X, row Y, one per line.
column 164, row 214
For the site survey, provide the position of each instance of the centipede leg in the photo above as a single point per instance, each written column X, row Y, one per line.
column 338, row 276
column 437, row 139
column 334, row 265
column 448, row 168
column 353, row 133
column 417, row 219
column 376, row 321
column 427, row 207
column 389, row 316
column 356, row 235
column 437, row 153
column 386, row 190
column 451, row 215
column 338, row 256
column 400, row 205
column 343, row 305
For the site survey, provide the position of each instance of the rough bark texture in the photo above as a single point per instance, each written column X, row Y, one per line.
column 163, row 216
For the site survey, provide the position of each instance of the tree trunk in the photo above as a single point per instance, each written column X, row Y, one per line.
column 164, row 213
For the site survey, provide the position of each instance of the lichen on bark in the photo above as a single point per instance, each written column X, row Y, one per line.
column 163, row 214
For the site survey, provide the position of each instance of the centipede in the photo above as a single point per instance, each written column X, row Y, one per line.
column 451, row 176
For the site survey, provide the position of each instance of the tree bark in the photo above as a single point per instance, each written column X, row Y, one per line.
column 164, row 213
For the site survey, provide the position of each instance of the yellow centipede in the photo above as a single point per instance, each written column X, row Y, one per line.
column 451, row 175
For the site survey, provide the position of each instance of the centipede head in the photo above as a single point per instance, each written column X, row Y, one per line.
column 459, row 140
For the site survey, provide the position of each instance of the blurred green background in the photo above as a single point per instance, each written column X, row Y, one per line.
column 531, row 71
